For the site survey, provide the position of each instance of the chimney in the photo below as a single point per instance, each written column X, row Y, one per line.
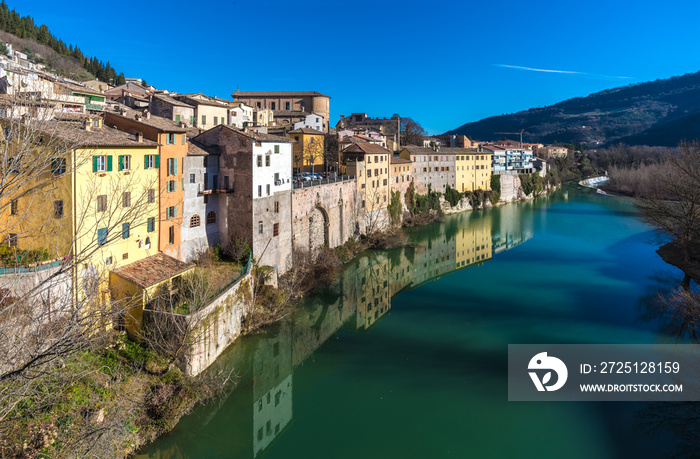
column 87, row 125
column 147, row 114
column 139, row 137
column 138, row 117
column 182, row 124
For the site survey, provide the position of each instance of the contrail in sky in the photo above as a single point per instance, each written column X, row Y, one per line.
column 571, row 72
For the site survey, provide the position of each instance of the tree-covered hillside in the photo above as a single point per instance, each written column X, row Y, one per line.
column 653, row 113
column 24, row 28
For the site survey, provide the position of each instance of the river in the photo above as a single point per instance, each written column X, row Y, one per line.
column 406, row 356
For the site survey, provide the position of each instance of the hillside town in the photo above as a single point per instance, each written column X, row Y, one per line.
column 146, row 181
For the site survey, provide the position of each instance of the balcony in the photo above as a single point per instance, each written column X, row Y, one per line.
column 219, row 189
column 325, row 181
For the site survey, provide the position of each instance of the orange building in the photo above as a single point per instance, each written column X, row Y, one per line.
column 172, row 139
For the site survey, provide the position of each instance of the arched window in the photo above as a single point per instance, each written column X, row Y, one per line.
column 194, row 221
column 211, row 217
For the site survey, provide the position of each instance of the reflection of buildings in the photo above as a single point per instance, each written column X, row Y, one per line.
column 374, row 300
column 473, row 242
column 510, row 227
column 260, row 408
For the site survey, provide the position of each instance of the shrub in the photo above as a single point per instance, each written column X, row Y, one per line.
column 452, row 196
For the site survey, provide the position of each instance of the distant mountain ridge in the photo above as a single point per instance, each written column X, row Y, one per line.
column 662, row 112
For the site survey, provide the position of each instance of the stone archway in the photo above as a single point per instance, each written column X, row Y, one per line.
column 318, row 228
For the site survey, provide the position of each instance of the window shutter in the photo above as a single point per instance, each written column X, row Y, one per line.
column 157, row 163
column 125, row 230
column 174, row 211
column 101, row 236
column 109, row 163
column 175, row 167
column 121, row 162
column 145, row 161
column 94, row 163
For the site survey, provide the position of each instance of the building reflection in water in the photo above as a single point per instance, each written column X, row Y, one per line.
column 260, row 408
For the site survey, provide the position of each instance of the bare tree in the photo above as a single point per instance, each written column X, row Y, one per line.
column 412, row 133
column 672, row 200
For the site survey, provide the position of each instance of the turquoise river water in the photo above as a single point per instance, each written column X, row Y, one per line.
column 406, row 356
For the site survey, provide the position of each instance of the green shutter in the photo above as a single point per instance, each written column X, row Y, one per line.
column 151, row 224
column 94, row 163
column 121, row 162
column 157, row 161
column 177, row 118
column 183, row 183
column 174, row 211
column 109, row 163
column 125, row 230
column 175, row 167
column 101, row 236
column 145, row 161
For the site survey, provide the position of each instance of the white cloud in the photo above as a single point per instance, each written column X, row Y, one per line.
column 571, row 72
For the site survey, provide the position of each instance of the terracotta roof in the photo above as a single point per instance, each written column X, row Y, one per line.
column 78, row 88
column 172, row 101
column 398, row 160
column 307, row 131
column 414, row 150
column 368, row 148
column 300, row 113
column 162, row 124
column 152, row 270
column 75, row 133
column 276, row 93
column 353, row 139
column 197, row 149
column 461, row 151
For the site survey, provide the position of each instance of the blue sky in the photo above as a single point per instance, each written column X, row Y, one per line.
column 441, row 63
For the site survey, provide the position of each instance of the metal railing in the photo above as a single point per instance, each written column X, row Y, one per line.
column 31, row 269
column 325, row 181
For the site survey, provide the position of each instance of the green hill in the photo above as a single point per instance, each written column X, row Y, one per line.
column 661, row 112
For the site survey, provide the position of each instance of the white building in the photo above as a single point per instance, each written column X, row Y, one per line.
column 241, row 115
column 200, row 227
column 312, row 121
column 510, row 160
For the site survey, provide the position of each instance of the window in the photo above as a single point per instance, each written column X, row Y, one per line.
column 211, row 217
column 171, row 235
column 275, row 230
column 376, row 159
column 272, row 106
column 126, row 199
column 148, row 162
column 177, row 118
column 194, row 221
column 259, row 160
column 13, row 207
column 277, row 177
column 312, row 140
column 58, row 166
column 277, row 149
column 260, row 228
column 267, row 160
column 286, row 105
column 101, row 236
column 125, row 256
column 192, row 120
column 124, row 162
column 191, row 178
column 172, row 166
column 170, row 139
column 268, row 189
column 184, row 136
column 216, row 120
column 147, row 244
column 102, row 203
column 277, row 207
column 206, row 198
column 296, row 139
column 151, row 195
column 259, row 190
column 99, row 163
column 171, row 186
column 171, row 212
column 150, row 224
column 58, row 209
column 384, row 181
column 204, row 119
column 125, row 231
column 258, row 104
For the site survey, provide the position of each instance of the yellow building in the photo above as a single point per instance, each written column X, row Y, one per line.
column 370, row 164
column 307, row 150
column 472, row 169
